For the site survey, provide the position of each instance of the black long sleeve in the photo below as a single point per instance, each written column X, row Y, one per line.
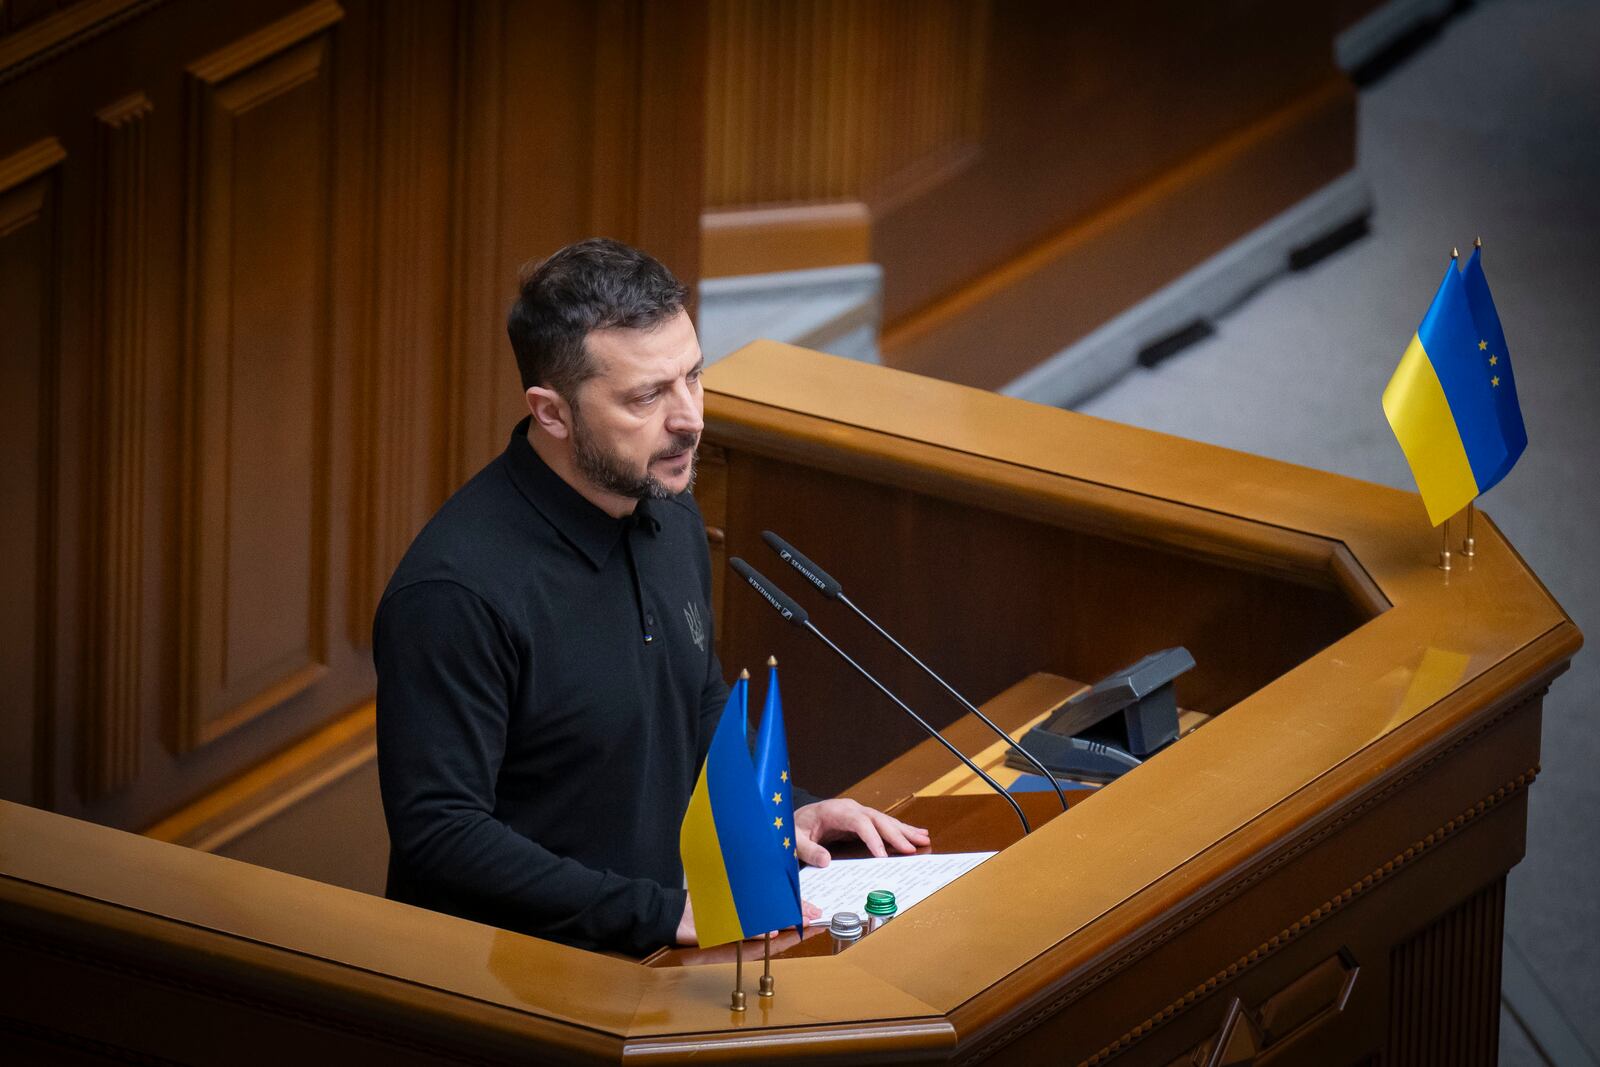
column 546, row 691
column 448, row 674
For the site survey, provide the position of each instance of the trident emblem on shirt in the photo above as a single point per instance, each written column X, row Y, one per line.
column 697, row 626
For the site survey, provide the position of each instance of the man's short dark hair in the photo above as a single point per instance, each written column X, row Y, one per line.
column 598, row 284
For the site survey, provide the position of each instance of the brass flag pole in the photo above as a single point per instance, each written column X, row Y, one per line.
column 1470, row 545
column 738, row 976
column 766, row 959
column 1444, row 548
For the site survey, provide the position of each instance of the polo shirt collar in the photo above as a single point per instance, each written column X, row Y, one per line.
column 591, row 531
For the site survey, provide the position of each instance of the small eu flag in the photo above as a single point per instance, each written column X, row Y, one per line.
column 741, row 882
column 1459, row 431
column 1495, row 355
column 772, row 773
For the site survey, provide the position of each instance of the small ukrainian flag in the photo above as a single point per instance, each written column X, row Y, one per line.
column 739, row 876
column 1452, row 402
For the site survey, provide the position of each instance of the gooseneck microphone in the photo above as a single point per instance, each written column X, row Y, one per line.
column 795, row 614
column 829, row 587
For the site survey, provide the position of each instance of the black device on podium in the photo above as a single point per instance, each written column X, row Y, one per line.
column 1103, row 733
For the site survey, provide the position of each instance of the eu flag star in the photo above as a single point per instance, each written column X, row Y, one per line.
column 1482, row 345
column 1493, row 360
column 784, row 777
column 777, row 798
column 786, row 842
column 1495, row 381
column 777, row 824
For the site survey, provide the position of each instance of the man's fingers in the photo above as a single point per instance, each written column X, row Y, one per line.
column 864, row 829
column 894, row 832
column 811, row 853
column 810, row 910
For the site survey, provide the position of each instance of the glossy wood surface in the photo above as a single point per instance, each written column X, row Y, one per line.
column 1341, row 808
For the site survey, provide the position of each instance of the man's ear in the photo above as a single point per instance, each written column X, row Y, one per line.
column 550, row 412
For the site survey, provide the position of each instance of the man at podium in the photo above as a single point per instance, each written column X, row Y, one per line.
column 547, row 680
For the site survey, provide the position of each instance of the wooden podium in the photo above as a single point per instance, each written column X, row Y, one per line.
column 1316, row 875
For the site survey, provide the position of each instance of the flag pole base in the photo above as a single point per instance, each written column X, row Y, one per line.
column 765, row 985
column 1444, row 548
column 736, row 1002
column 1469, row 547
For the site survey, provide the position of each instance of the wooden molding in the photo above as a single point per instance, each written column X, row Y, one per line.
column 28, row 163
column 74, row 25
column 1445, row 985
column 800, row 237
column 110, row 738
column 334, row 751
column 268, row 41
column 30, row 295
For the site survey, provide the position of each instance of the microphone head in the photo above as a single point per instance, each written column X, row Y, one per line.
column 825, row 583
column 780, row 601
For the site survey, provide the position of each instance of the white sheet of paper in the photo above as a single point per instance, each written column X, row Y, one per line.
column 843, row 885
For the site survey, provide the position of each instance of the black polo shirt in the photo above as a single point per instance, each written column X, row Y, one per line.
column 546, row 691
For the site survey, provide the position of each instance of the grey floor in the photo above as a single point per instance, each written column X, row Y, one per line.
column 1493, row 128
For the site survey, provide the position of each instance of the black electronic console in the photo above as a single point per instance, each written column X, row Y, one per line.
column 1127, row 717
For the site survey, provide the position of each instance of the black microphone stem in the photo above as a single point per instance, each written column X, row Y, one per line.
column 969, row 705
column 935, row 734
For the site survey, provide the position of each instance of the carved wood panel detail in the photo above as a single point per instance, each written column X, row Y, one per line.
column 256, row 436
column 28, row 310
column 112, row 715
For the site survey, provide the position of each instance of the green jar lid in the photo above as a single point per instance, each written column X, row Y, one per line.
column 880, row 902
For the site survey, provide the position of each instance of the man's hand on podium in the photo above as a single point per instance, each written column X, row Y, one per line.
column 686, row 934
column 829, row 820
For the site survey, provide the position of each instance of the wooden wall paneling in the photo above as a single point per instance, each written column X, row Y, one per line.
column 111, row 735
column 255, row 440
column 1065, row 285
column 613, row 207
column 403, row 402
column 478, row 275
column 29, row 233
column 814, row 109
column 1121, row 146
column 810, row 102
column 649, row 129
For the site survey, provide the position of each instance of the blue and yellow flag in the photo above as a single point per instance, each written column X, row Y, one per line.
column 772, row 773
column 1443, row 400
column 738, row 875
